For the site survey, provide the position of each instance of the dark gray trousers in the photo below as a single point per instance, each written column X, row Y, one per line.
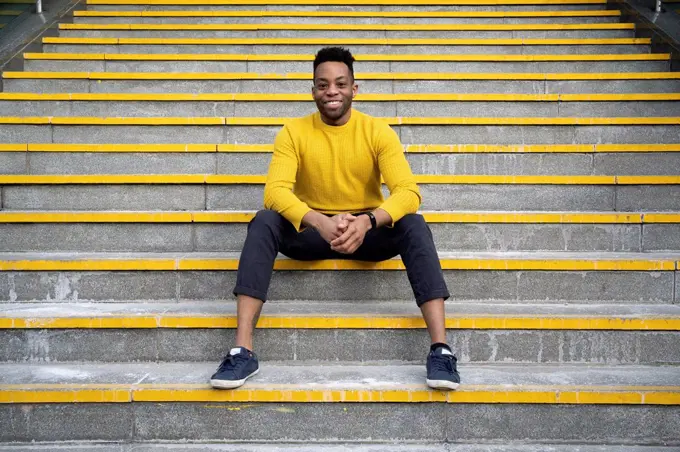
column 270, row 233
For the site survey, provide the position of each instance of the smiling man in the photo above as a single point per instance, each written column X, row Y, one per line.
column 323, row 200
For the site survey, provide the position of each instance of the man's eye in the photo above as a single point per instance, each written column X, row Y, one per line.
column 342, row 85
column 321, row 87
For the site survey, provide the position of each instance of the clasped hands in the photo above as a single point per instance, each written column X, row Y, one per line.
column 345, row 232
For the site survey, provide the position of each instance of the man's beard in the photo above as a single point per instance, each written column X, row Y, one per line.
column 334, row 114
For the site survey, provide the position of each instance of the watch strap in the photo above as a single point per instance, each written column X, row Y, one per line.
column 374, row 222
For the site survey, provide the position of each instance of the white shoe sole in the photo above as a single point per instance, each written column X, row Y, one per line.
column 442, row 384
column 231, row 384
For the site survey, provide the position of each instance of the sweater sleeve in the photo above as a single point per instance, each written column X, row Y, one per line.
column 278, row 189
column 404, row 193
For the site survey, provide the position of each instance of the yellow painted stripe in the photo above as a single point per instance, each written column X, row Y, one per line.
column 661, row 218
column 244, row 217
column 489, row 322
column 145, row 147
column 253, row 97
column 358, row 76
column 260, row 179
column 221, row 179
column 24, row 2
column 348, row 27
column 8, row 147
column 637, row 147
column 254, row 392
column 68, row 396
column 343, row 2
column 412, row 148
column 396, row 121
column 331, row 265
column 345, row 41
column 648, row 180
column 256, row 13
column 372, row 57
column 10, row 12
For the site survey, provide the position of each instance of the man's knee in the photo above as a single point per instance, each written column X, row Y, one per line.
column 412, row 222
column 268, row 219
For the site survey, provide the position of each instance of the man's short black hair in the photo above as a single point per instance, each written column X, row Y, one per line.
column 335, row 54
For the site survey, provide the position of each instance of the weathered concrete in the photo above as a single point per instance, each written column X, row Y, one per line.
column 484, row 286
column 13, row 162
column 163, row 237
column 105, row 197
column 358, row 49
column 347, row 34
column 122, row 163
column 648, row 198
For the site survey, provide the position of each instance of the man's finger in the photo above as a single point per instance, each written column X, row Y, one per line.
column 343, row 238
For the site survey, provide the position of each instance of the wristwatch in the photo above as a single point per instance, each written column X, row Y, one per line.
column 374, row 223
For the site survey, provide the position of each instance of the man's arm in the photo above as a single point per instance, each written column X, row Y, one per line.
column 278, row 190
column 404, row 193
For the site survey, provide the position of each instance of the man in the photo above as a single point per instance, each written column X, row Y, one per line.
column 324, row 201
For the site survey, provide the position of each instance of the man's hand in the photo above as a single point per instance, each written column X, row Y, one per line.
column 353, row 235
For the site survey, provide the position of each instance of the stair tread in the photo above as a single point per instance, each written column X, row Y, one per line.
column 464, row 255
column 329, row 309
column 348, row 376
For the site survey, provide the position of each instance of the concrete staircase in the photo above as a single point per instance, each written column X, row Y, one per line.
column 133, row 149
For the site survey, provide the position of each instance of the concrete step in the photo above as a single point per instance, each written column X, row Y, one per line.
column 255, row 163
column 513, row 277
column 151, row 402
column 37, row 159
column 226, row 231
column 370, row 83
column 341, row 7
column 330, row 447
column 344, row 31
column 385, row 105
column 355, row 17
column 331, row 331
column 311, row 45
column 150, row 62
column 244, row 192
column 412, row 130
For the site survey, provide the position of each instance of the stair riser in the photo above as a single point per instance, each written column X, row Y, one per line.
column 622, row 287
column 347, row 20
column 292, row 109
column 358, row 49
column 283, row 67
column 478, row 346
column 365, row 86
column 611, row 424
column 258, row 163
column 531, row 34
column 230, row 237
column 512, row 134
column 435, row 197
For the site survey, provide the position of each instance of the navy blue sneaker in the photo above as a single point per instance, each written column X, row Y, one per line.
column 239, row 365
column 441, row 369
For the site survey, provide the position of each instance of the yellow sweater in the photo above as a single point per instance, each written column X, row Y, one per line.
column 336, row 169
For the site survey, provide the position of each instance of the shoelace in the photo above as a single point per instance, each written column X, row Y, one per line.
column 443, row 362
column 232, row 362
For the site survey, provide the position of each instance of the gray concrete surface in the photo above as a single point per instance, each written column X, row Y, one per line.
column 304, row 66
column 345, row 34
column 471, row 346
column 365, row 86
column 152, row 237
column 518, row 163
column 370, row 49
column 330, row 447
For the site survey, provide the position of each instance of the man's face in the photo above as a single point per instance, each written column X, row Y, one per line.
column 333, row 92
